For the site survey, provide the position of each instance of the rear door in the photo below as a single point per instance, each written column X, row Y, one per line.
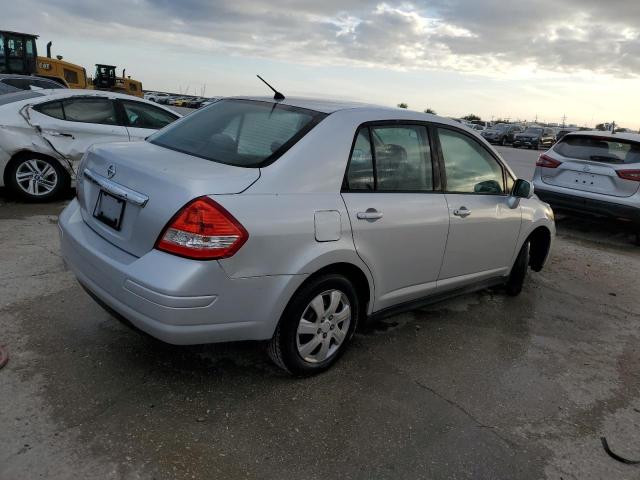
column 483, row 229
column 398, row 214
column 142, row 119
column 73, row 125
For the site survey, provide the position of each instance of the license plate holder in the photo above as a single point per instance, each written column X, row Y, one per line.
column 109, row 210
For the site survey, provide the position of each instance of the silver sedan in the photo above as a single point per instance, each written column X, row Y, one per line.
column 294, row 221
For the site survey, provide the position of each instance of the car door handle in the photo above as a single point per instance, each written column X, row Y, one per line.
column 370, row 214
column 462, row 212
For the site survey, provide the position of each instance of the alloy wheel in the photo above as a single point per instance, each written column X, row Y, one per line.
column 36, row 177
column 324, row 326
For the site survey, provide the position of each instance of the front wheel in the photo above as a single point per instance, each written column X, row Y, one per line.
column 316, row 326
column 36, row 178
column 518, row 273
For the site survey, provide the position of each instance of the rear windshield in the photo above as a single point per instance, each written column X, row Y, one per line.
column 18, row 96
column 599, row 149
column 243, row 133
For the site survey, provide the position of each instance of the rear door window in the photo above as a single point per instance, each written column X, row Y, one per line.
column 90, row 110
column 394, row 158
column 599, row 149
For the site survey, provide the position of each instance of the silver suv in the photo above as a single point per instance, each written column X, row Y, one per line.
column 294, row 221
column 593, row 172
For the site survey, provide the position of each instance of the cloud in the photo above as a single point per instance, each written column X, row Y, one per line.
column 489, row 37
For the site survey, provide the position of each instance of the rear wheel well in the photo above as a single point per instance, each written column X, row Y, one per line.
column 540, row 242
column 355, row 276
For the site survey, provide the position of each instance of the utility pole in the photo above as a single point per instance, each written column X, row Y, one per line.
column 564, row 120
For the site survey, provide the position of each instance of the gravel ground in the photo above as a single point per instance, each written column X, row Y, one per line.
column 482, row 386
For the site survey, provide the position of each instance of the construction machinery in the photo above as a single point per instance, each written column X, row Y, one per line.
column 105, row 79
column 19, row 55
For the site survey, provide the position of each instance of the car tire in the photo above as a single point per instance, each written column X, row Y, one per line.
column 304, row 349
column 33, row 177
column 518, row 273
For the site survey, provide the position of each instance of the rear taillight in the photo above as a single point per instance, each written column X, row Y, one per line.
column 547, row 162
column 633, row 175
column 202, row 230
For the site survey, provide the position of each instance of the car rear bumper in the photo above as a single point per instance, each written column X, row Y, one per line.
column 176, row 300
column 588, row 205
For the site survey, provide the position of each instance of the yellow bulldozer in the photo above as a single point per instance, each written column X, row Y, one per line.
column 19, row 55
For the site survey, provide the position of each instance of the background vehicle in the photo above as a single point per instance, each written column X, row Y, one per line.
column 209, row 101
column 535, row 137
column 593, row 172
column 501, row 133
column 156, row 97
column 43, row 134
column 15, row 83
column 19, row 55
column 267, row 220
column 105, row 78
column 563, row 131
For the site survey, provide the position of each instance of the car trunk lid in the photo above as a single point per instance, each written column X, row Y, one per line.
column 129, row 192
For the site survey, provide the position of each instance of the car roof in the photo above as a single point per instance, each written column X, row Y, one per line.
column 377, row 112
column 635, row 137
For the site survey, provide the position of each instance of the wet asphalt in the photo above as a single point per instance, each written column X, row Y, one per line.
column 479, row 387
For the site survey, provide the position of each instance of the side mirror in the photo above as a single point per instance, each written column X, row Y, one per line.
column 521, row 189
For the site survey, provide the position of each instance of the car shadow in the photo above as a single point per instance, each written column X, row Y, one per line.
column 605, row 231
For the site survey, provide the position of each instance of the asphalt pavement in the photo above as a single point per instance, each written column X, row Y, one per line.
column 480, row 387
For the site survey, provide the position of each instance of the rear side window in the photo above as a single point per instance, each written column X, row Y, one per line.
column 391, row 159
column 51, row 109
column 599, row 149
column 243, row 133
column 469, row 167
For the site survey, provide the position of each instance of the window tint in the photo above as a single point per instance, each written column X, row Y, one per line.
column 141, row 115
column 469, row 167
column 21, row 83
column 599, row 149
column 360, row 173
column 52, row 109
column 90, row 110
column 244, row 133
column 401, row 154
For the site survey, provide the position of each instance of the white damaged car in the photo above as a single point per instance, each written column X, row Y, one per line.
column 44, row 134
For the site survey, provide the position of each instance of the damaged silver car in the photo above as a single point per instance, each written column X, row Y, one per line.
column 44, row 134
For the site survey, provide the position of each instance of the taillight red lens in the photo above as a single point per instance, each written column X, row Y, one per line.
column 633, row 175
column 202, row 230
column 547, row 162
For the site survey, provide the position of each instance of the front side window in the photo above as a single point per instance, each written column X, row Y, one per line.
column 140, row 115
column 90, row 110
column 391, row 159
column 469, row 167
column 244, row 133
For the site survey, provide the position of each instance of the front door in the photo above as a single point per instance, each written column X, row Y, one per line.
column 398, row 216
column 484, row 229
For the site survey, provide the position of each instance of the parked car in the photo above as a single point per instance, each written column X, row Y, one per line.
column 501, row 133
column 195, row 102
column 563, row 131
column 535, row 137
column 157, row 97
column 256, row 219
column 593, row 172
column 44, row 134
column 14, row 83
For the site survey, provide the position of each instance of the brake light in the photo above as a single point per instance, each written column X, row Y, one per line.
column 202, row 230
column 547, row 162
column 633, row 175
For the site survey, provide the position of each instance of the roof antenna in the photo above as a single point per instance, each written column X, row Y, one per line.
column 276, row 94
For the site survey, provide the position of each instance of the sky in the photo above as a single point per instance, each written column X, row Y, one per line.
column 543, row 59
